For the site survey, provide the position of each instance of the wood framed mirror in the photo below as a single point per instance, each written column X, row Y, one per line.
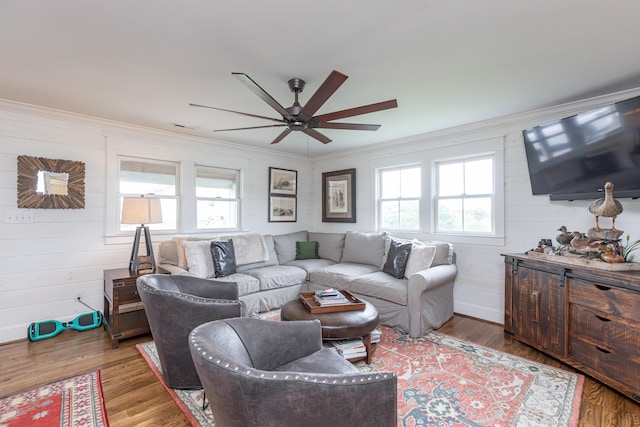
column 50, row 183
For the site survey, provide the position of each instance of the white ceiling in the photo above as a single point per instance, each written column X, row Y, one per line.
column 447, row 62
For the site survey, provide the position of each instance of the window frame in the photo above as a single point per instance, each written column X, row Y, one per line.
column 237, row 199
column 120, row 195
column 186, row 155
column 380, row 200
column 437, row 198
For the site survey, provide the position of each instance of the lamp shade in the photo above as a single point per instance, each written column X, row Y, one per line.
column 141, row 210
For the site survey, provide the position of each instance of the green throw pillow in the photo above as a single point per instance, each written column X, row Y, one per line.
column 307, row 250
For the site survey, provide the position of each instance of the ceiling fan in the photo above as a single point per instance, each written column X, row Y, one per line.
column 301, row 118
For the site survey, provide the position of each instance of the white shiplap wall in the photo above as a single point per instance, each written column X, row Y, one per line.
column 479, row 287
column 42, row 264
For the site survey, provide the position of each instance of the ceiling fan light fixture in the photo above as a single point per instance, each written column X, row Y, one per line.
column 303, row 118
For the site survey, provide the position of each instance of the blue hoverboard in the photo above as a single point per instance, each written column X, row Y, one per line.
column 50, row 328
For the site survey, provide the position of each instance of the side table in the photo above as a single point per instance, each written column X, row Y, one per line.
column 123, row 315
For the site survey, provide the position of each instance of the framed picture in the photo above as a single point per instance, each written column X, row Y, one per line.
column 282, row 209
column 339, row 196
column 283, row 181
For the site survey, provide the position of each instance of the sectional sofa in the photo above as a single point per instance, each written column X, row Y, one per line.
column 409, row 282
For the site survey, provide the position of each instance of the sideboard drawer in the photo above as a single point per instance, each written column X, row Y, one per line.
column 609, row 364
column 607, row 333
column 605, row 299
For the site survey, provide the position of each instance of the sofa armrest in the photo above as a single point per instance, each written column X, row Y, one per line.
column 173, row 269
column 430, row 298
column 431, row 278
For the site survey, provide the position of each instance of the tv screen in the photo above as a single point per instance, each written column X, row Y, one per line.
column 572, row 158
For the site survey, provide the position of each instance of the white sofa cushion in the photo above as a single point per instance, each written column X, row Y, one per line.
column 273, row 258
column 381, row 286
column 285, row 245
column 363, row 248
column 246, row 284
column 338, row 275
column 278, row 276
column 330, row 245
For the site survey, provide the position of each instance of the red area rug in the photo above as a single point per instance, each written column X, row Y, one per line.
column 444, row 381
column 72, row 402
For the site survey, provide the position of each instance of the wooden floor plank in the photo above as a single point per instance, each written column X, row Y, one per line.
column 134, row 397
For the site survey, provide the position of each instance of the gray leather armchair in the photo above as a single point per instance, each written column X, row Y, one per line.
column 266, row 373
column 174, row 305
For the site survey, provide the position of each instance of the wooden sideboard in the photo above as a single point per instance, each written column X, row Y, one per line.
column 584, row 316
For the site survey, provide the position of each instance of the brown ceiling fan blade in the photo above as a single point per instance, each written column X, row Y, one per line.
column 250, row 127
column 348, row 126
column 255, row 88
column 282, row 135
column 324, row 92
column 237, row 112
column 317, row 135
column 357, row 111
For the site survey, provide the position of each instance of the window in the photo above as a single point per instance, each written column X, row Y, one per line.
column 464, row 200
column 217, row 201
column 149, row 177
column 399, row 198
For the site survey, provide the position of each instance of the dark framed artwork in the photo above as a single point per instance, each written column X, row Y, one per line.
column 339, row 196
column 283, row 182
column 50, row 183
column 283, row 208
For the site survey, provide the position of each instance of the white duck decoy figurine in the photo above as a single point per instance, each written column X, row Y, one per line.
column 608, row 207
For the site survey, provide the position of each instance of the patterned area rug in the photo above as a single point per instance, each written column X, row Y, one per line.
column 444, row 381
column 72, row 402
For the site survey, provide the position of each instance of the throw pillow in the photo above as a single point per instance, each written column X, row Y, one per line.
column 224, row 258
column 307, row 250
column 198, row 258
column 420, row 258
column 397, row 258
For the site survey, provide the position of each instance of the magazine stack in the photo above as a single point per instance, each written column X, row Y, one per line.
column 329, row 297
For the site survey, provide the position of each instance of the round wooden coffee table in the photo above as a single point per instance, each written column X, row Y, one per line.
column 340, row 324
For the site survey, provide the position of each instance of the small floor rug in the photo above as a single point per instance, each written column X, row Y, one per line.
column 72, row 402
column 444, row 381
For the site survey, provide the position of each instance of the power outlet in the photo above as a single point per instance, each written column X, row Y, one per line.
column 77, row 295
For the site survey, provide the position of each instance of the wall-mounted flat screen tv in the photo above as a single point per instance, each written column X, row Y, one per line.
column 572, row 158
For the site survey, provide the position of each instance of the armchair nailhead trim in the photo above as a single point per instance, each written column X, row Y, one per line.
column 197, row 345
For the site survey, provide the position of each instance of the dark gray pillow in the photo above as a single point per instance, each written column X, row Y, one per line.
column 397, row 258
column 224, row 257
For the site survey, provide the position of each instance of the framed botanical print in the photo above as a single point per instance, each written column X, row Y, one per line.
column 283, row 182
column 282, row 208
column 339, row 196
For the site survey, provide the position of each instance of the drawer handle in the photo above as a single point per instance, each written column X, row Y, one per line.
column 604, row 319
column 602, row 287
column 134, row 293
column 535, row 300
column 603, row 350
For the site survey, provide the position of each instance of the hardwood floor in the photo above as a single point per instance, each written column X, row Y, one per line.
column 134, row 397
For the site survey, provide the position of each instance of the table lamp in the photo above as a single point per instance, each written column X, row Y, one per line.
column 141, row 210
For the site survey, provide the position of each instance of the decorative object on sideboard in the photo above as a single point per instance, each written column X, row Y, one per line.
column 339, row 196
column 141, row 210
column 50, row 183
column 607, row 207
